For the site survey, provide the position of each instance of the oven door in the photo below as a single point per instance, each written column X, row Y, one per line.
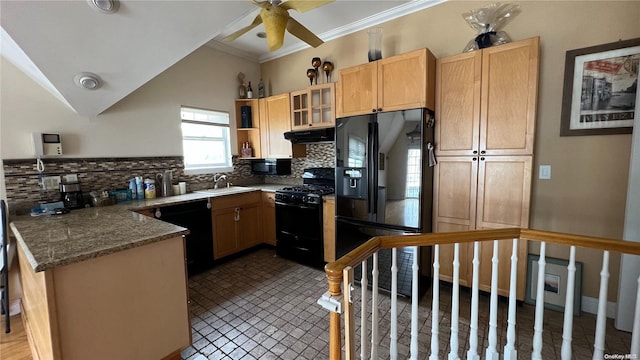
column 299, row 232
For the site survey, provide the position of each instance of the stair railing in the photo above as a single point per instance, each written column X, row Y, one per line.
column 340, row 298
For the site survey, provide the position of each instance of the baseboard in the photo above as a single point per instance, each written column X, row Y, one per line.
column 590, row 305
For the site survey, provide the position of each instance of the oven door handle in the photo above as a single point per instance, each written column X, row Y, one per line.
column 296, row 205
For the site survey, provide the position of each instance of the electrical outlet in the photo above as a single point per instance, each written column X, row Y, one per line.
column 545, row 172
column 71, row 178
column 51, row 182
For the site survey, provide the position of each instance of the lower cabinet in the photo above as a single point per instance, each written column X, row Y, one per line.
column 237, row 223
column 269, row 217
column 491, row 192
column 329, row 228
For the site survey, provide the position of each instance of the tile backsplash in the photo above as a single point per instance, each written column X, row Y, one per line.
column 98, row 174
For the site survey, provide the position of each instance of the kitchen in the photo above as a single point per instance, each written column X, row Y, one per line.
column 152, row 110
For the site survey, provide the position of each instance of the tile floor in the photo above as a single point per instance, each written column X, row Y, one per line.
column 260, row 306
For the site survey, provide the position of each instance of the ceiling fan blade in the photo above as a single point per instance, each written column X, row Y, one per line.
column 296, row 29
column 304, row 5
column 257, row 21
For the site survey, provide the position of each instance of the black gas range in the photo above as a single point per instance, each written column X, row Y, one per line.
column 299, row 217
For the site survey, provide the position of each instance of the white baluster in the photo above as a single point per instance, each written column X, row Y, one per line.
column 472, row 354
column 537, row 327
column 455, row 304
column 567, row 331
column 374, row 308
column 414, row 304
column 510, row 352
column 435, row 304
column 492, row 348
column 635, row 334
column 393, row 351
column 598, row 346
column 364, row 282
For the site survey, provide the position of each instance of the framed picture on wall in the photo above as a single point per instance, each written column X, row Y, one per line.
column 555, row 283
column 600, row 89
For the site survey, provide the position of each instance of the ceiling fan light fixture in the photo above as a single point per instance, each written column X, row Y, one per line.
column 88, row 81
column 105, row 6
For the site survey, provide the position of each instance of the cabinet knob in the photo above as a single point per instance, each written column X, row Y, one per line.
column 475, row 152
column 482, row 158
column 483, row 152
column 373, row 110
column 379, row 109
column 475, row 158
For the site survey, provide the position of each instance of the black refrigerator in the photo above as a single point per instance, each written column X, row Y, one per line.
column 384, row 177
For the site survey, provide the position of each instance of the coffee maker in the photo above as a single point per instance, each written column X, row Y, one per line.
column 71, row 195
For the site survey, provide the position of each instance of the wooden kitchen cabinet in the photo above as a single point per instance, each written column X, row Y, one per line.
column 237, row 223
column 486, row 100
column 248, row 134
column 275, row 120
column 313, row 107
column 269, row 217
column 399, row 82
column 485, row 111
column 329, row 228
column 482, row 193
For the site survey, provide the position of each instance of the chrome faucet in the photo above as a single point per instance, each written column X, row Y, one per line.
column 217, row 178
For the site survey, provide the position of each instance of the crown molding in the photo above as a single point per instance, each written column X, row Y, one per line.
column 382, row 17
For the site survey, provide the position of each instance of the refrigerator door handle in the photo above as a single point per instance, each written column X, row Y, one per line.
column 372, row 160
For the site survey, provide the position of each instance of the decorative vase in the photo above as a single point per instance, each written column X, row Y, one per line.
column 375, row 44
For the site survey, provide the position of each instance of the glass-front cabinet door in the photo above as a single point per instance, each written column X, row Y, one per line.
column 299, row 109
column 313, row 107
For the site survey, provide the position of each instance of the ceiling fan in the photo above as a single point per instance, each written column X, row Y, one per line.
column 276, row 18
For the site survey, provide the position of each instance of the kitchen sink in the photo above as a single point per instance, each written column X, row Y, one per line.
column 226, row 190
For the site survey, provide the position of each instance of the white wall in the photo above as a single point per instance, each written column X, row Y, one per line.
column 145, row 123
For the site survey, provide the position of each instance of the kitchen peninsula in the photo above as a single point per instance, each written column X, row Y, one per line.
column 104, row 283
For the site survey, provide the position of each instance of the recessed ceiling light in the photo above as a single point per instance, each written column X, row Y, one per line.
column 262, row 35
column 105, row 6
column 87, row 81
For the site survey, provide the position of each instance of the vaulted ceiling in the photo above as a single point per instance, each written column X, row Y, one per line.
column 55, row 41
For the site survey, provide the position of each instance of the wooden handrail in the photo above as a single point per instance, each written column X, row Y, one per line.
column 355, row 257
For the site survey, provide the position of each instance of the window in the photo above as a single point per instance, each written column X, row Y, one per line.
column 205, row 140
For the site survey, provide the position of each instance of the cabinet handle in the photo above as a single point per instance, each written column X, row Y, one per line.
column 237, row 215
column 475, row 152
column 483, row 152
column 474, row 159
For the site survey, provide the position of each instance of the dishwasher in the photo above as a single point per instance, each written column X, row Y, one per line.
column 195, row 216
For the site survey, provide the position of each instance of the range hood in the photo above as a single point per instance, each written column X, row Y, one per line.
column 311, row 136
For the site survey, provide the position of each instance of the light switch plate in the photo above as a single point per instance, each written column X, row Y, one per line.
column 545, row 172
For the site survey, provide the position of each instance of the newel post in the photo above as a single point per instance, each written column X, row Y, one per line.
column 335, row 338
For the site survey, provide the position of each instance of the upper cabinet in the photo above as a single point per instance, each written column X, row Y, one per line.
column 400, row 82
column 486, row 100
column 275, row 120
column 313, row 107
